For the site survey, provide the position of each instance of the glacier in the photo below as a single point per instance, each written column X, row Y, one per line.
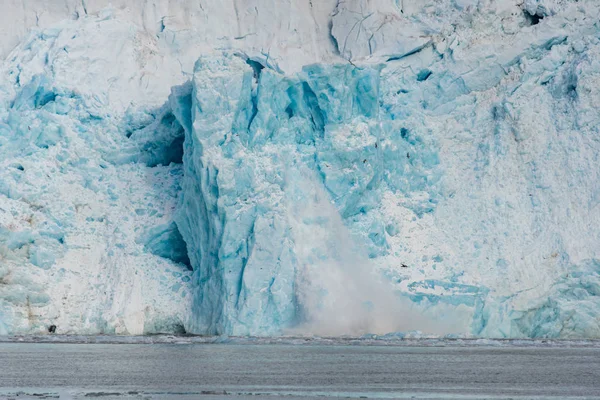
column 299, row 167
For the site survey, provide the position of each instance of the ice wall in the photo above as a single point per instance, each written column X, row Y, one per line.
column 263, row 149
column 86, row 200
column 378, row 165
column 453, row 161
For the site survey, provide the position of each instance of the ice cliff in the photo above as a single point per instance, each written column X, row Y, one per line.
column 280, row 167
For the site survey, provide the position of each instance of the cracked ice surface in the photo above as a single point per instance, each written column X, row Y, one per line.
column 435, row 169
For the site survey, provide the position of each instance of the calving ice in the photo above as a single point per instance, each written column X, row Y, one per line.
column 384, row 168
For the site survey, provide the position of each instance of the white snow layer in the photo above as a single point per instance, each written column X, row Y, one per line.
column 263, row 167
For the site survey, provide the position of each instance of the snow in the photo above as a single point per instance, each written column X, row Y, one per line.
column 322, row 167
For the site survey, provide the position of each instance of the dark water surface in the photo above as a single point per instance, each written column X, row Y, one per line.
column 211, row 371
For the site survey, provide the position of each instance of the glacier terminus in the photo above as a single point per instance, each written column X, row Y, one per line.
column 300, row 167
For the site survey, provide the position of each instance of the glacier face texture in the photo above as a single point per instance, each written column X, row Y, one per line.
column 305, row 168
